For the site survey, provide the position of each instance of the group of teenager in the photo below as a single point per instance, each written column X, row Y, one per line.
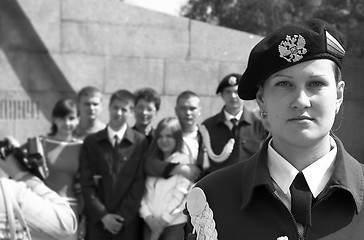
column 132, row 182
column 276, row 173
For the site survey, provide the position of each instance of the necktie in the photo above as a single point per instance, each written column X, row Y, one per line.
column 234, row 130
column 116, row 141
column 301, row 199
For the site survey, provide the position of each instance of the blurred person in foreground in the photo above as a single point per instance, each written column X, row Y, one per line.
column 28, row 206
column 302, row 183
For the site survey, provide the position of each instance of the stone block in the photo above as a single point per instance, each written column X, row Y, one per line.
column 31, row 128
column 81, row 70
column 44, row 18
column 210, row 105
column 168, row 104
column 14, row 70
column 231, row 67
column 8, row 128
column 22, row 114
column 219, row 43
column 126, row 41
column 133, row 73
column 118, row 12
column 46, row 75
column 198, row 76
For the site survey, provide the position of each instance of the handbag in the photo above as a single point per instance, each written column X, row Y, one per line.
column 15, row 226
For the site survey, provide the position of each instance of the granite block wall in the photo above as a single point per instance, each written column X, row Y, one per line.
column 50, row 49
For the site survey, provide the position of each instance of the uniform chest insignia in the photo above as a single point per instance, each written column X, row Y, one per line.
column 201, row 215
column 292, row 48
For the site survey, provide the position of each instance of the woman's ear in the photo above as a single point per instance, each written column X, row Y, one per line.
column 259, row 99
column 339, row 95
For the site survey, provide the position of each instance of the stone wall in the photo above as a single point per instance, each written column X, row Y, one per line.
column 52, row 48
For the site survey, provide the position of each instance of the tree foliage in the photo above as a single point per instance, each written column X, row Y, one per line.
column 263, row 16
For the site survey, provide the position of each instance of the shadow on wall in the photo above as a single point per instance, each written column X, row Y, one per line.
column 29, row 57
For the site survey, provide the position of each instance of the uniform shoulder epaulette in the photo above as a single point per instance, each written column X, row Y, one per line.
column 201, row 215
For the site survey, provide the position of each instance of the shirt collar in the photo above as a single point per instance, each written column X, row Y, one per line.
column 347, row 175
column 111, row 133
column 229, row 116
column 317, row 174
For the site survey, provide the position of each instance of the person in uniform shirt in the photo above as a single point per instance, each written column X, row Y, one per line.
column 236, row 132
column 302, row 183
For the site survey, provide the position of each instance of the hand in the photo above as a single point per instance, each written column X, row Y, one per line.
column 12, row 141
column 152, row 223
column 156, row 225
column 162, row 222
column 112, row 222
column 189, row 171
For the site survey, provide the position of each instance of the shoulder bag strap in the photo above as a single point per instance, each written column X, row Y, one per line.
column 12, row 208
column 9, row 210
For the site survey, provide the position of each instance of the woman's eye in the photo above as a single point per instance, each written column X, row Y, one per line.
column 316, row 84
column 283, row 84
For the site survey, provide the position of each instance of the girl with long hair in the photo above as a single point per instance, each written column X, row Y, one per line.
column 164, row 199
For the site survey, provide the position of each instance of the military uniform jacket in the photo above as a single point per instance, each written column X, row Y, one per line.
column 248, row 139
column 244, row 205
column 112, row 181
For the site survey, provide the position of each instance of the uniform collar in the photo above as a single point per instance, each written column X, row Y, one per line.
column 229, row 116
column 245, row 116
column 347, row 175
column 317, row 174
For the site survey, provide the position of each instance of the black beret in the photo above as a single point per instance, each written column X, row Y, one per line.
column 229, row 80
column 287, row 46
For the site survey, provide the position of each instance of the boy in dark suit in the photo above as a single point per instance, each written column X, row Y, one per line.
column 112, row 176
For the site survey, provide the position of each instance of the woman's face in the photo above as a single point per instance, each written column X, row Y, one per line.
column 166, row 141
column 301, row 102
column 66, row 125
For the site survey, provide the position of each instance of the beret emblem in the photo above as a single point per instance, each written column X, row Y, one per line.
column 232, row 80
column 292, row 48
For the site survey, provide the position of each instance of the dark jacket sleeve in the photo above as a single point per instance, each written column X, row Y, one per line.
column 158, row 168
column 94, row 207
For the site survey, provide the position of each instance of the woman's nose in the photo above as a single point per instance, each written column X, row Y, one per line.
column 301, row 100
